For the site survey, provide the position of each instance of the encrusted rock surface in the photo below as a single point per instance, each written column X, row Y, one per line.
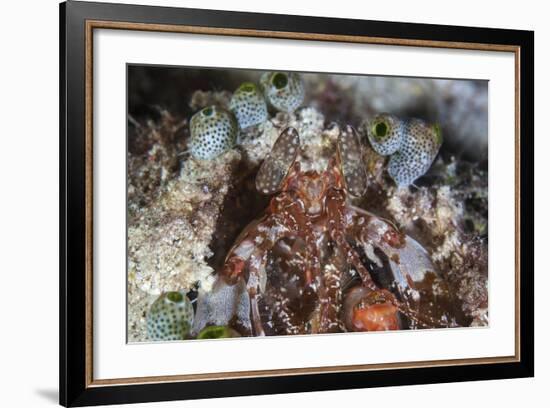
column 184, row 213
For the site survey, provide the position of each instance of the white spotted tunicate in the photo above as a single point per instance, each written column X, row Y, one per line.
column 248, row 105
column 170, row 317
column 213, row 132
column 420, row 145
column 283, row 90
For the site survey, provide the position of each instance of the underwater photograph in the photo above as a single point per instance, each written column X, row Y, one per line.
column 267, row 203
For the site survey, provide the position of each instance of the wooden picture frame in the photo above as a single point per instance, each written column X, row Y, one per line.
column 78, row 20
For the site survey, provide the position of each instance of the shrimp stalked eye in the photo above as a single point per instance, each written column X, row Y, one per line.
column 351, row 161
column 248, row 105
column 284, row 91
column 277, row 163
column 213, row 132
column 385, row 133
column 421, row 143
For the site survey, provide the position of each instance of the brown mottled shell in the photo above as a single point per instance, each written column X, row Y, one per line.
column 277, row 163
column 351, row 161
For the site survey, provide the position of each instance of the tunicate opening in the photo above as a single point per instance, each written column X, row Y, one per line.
column 247, row 87
column 214, row 332
column 380, row 130
column 175, row 297
column 279, row 80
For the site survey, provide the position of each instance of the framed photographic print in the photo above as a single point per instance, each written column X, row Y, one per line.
column 255, row 203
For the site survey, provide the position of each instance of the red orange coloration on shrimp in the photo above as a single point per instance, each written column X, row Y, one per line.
column 358, row 271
